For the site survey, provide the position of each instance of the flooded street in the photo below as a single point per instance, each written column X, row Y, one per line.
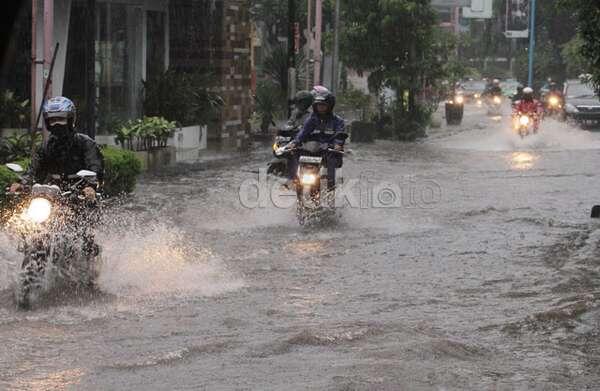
column 484, row 275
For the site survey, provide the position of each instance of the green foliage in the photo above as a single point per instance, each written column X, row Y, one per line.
column 145, row 134
column 14, row 112
column 270, row 100
column 121, row 169
column 183, row 97
column 355, row 99
column 275, row 66
column 7, row 177
column 572, row 52
column 395, row 40
column 588, row 25
column 18, row 146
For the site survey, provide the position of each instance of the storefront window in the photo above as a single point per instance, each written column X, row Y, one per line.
column 126, row 52
column 155, row 41
column 118, row 61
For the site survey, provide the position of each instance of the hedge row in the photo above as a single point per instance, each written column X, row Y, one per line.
column 120, row 172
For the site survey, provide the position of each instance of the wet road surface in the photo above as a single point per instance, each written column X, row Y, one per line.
column 469, row 263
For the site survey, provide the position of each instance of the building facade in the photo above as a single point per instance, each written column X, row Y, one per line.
column 132, row 41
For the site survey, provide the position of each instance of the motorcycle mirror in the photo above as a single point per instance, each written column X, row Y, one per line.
column 14, row 167
column 86, row 174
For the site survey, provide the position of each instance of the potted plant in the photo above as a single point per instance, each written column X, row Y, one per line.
column 148, row 138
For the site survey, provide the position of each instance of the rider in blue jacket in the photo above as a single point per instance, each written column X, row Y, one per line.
column 325, row 127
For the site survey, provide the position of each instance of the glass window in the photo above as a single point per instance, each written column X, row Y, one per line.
column 155, row 43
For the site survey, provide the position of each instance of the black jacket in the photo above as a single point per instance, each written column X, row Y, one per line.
column 65, row 157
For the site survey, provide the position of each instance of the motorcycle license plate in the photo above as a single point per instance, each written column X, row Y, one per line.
column 311, row 159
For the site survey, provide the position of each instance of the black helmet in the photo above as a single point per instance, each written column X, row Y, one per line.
column 323, row 95
column 520, row 88
column 303, row 100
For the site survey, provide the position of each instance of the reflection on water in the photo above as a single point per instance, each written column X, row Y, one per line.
column 305, row 247
column 523, row 160
column 61, row 380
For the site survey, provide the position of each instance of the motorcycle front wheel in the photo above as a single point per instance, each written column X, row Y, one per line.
column 30, row 279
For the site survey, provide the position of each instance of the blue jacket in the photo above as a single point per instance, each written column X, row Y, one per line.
column 331, row 130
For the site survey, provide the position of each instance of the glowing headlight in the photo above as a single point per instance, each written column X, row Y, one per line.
column 476, row 96
column 553, row 101
column 459, row 99
column 275, row 147
column 308, row 179
column 39, row 210
column 524, row 120
column 497, row 100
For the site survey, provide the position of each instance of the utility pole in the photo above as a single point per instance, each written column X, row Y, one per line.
column 317, row 48
column 48, row 40
column 336, row 50
column 291, row 53
column 531, row 43
column 90, row 63
column 310, row 43
column 34, row 65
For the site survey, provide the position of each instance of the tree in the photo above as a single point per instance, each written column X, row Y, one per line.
column 393, row 40
column 588, row 17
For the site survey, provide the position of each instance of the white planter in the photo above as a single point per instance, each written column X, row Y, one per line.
column 189, row 141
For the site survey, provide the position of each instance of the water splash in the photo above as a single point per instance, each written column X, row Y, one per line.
column 155, row 258
column 9, row 259
column 553, row 136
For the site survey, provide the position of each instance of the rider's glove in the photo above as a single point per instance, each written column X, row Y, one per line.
column 15, row 187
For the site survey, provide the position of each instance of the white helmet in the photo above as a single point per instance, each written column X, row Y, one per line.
column 527, row 90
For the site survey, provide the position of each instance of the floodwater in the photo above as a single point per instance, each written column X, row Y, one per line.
column 467, row 261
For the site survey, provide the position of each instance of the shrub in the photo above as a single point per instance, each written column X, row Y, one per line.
column 14, row 112
column 121, row 169
column 7, row 177
column 363, row 132
column 18, row 146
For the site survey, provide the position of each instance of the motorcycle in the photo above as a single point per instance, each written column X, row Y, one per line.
column 53, row 224
column 312, row 198
column 554, row 105
column 525, row 124
column 494, row 105
column 279, row 164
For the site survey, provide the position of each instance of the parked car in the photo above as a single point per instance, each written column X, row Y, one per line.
column 582, row 103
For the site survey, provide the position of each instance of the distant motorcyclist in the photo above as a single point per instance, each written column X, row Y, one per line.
column 65, row 152
column 530, row 106
column 325, row 127
column 493, row 90
column 519, row 95
column 301, row 110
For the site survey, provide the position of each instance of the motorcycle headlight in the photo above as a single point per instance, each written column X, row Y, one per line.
column 459, row 99
column 553, row 101
column 497, row 100
column 477, row 96
column 275, row 146
column 524, row 120
column 39, row 210
column 308, row 179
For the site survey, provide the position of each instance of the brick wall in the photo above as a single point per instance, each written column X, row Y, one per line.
column 218, row 33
